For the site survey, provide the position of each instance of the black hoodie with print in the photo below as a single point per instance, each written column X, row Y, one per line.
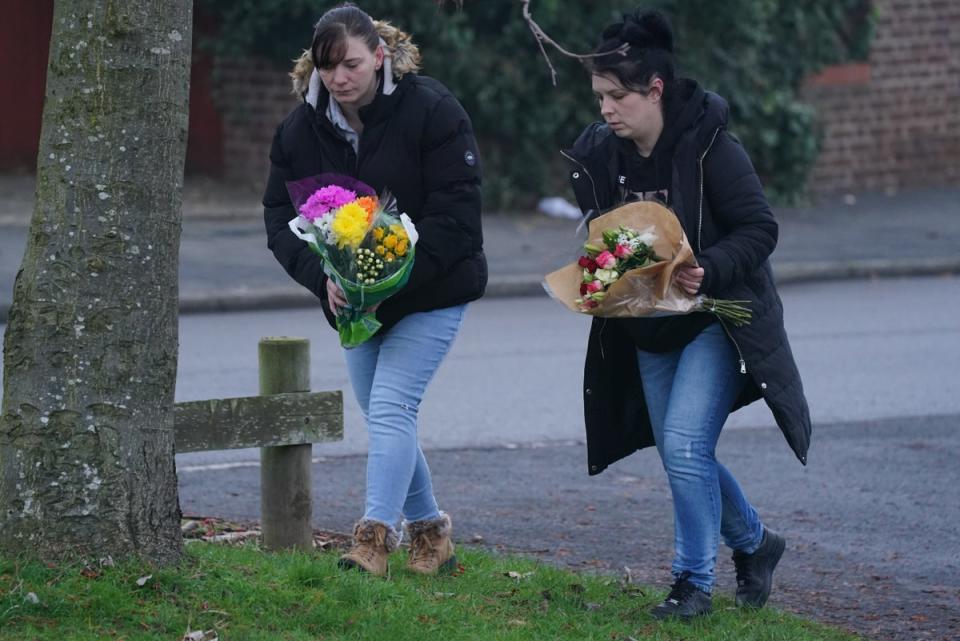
column 650, row 178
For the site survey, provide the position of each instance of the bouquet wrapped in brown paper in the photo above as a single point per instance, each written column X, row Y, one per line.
column 627, row 270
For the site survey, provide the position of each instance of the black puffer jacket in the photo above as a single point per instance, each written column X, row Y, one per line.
column 718, row 198
column 417, row 142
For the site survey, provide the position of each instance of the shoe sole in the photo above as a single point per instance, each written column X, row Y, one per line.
column 777, row 554
column 678, row 617
column 347, row 564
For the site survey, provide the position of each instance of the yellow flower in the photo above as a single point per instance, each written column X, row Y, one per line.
column 349, row 225
column 389, row 257
column 401, row 248
column 398, row 230
column 381, row 250
column 390, row 241
column 378, row 233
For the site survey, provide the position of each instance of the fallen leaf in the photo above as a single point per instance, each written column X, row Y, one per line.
column 32, row 598
column 200, row 635
column 142, row 581
column 516, row 622
column 517, row 575
column 89, row 572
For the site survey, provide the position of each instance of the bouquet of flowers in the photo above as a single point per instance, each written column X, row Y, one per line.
column 366, row 245
column 627, row 268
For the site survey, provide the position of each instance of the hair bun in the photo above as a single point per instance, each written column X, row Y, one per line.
column 644, row 29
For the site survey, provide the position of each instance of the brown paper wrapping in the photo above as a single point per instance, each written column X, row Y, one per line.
column 647, row 291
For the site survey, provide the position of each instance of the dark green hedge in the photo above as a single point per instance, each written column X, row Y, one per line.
column 753, row 52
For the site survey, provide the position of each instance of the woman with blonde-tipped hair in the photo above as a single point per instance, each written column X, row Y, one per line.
column 368, row 114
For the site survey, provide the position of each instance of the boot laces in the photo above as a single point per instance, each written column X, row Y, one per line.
column 682, row 589
column 422, row 548
column 744, row 565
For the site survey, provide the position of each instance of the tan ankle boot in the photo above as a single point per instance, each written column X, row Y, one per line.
column 431, row 549
column 373, row 542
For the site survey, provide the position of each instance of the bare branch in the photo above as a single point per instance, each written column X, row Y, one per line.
column 542, row 37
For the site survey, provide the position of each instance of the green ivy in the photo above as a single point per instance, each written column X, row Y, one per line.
column 755, row 53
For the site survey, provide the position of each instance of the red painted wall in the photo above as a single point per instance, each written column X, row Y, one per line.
column 24, row 46
column 205, row 137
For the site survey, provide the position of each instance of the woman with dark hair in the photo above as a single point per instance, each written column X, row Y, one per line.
column 367, row 114
column 672, row 381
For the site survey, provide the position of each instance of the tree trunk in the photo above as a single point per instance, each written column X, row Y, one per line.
column 90, row 351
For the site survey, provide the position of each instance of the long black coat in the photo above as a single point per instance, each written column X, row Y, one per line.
column 718, row 198
column 417, row 142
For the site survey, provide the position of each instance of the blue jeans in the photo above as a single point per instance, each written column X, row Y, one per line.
column 689, row 394
column 389, row 374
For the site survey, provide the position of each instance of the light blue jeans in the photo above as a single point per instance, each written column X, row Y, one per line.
column 389, row 374
column 689, row 394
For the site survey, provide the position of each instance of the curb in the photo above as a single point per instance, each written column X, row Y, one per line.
column 795, row 272
column 294, row 297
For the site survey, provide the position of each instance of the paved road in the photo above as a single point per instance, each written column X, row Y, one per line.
column 866, row 350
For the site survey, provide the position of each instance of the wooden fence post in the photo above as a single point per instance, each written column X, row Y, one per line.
column 285, row 478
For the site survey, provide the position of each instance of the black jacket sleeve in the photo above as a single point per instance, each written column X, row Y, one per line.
column 295, row 255
column 748, row 230
column 449, row 225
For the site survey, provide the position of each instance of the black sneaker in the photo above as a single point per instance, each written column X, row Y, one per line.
column 755, row 571
column 684, row 602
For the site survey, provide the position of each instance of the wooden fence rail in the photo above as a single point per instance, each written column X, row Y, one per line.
column 284, row 421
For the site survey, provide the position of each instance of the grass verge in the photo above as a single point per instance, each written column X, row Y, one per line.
column 243, row 594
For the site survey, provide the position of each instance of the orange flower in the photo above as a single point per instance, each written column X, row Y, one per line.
column 369, row 205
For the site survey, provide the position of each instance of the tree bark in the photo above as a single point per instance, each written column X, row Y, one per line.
column 90, row 351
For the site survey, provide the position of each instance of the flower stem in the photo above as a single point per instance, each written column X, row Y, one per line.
column 736, row 312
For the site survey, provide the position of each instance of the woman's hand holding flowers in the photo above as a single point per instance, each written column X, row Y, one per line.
column 689, row 278
column 335, row 297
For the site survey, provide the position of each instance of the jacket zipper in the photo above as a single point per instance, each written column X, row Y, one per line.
column 700, row 208
column 743, row 363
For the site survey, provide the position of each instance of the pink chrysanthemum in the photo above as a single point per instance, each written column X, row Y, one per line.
column 325, row 200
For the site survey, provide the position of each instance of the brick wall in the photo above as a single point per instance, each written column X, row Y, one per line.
column 894, row 122
column 253, row 98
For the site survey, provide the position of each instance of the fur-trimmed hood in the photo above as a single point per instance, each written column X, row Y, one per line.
column 401, row 54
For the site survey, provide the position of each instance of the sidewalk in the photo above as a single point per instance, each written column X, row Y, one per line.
column 225, row 265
